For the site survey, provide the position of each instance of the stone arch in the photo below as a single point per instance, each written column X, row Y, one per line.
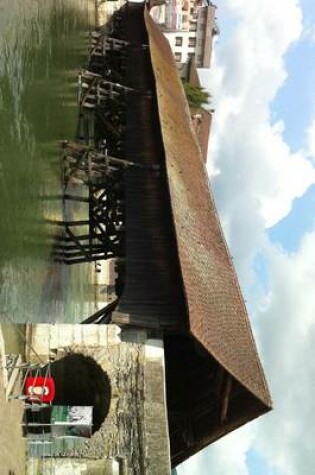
column 80, row 381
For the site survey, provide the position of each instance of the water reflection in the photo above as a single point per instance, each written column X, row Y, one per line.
column 42, row 44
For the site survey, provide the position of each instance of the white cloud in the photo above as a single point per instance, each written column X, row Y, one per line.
column 247, row 73
column 287, row 338
column 227, row 456
column 256, row 175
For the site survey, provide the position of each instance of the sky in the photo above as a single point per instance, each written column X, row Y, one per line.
column 262, row 167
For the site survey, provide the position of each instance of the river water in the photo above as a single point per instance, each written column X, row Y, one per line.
column 42, row 45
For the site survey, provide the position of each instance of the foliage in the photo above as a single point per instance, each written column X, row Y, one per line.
column 196, row 96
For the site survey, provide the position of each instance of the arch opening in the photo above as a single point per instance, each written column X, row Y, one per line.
column 80, row 381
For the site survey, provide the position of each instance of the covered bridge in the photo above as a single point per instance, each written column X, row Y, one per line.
column 177, row 279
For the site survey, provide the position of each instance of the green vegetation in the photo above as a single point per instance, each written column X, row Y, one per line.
column 196, row 96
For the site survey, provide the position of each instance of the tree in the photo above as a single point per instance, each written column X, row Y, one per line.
column 196, row 96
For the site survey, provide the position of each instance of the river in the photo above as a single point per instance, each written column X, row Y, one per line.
column 43, row 43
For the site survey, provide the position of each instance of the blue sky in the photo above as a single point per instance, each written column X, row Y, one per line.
column 294, row 101
column 295, row 104
column 262, row 167
column 290, row 230
column 258, row 465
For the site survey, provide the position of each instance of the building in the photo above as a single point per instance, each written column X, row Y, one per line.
column 189, row 26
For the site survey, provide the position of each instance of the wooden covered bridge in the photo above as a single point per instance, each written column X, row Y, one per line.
column 150, row 206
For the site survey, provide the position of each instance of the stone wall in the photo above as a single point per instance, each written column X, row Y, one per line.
column 156, row 434
column 134, row 436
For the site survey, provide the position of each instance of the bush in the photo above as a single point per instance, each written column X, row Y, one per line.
column 196, row 96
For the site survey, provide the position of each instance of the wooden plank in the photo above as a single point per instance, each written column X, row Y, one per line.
column 134, row 320
column 13, row 378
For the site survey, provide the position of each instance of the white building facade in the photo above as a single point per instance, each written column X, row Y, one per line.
column 189, row 26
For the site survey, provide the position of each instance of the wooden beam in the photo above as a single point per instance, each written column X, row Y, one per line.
column 226, row 398
column 13, row 378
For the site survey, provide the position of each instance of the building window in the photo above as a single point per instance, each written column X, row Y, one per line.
column 178, row 41
column 178, row 57
column 191, row 55
column 192, row 42
column 193, row 26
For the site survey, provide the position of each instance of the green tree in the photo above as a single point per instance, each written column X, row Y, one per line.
column 196, row 96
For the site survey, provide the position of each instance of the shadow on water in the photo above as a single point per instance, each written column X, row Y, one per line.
column 42, row 44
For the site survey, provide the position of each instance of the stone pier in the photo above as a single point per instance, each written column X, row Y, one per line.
column 133, row 439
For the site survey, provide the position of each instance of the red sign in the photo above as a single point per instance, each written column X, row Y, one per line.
column 39, row 389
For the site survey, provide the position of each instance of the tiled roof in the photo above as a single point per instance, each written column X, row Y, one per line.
column 217, row 313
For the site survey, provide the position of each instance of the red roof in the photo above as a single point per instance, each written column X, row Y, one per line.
column 217, row 314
